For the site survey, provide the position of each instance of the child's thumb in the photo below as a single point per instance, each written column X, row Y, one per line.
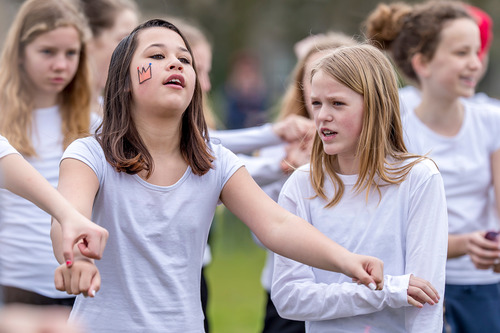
column 94, row 286
column 68, row 252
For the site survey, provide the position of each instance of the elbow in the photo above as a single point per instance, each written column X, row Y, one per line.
column 287, row 307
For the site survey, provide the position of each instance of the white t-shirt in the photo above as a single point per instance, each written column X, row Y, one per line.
column 26, row 257
column 465, row 165
column 405, row 227
column 151, row 266
column 6, row 148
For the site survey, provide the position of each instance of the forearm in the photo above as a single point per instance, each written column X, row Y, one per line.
column 298, row 297
column 296, row 239
column 24, row 180
column 247, row 140
column 457, row 245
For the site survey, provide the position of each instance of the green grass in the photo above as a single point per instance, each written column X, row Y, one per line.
column 236, row 299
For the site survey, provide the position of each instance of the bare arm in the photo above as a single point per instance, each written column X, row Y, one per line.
column 483, row 252
column 78, row 184
column 24, row 180
column 288, row 235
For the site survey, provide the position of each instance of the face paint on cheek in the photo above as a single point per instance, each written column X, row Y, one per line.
column 144, row 74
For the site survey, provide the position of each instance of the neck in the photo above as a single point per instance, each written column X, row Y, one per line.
column 443, row 115
column 161, row 135
column 348, row 165
column 41, row 101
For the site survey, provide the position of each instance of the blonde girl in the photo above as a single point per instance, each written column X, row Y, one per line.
column 19, row 177
column 363, row 190
column 44, row 106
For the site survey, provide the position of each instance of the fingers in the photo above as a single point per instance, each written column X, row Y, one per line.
column 95, row 285
column 59, row 280
column 68, row 244
column 94, row 243
column 414, row 302
column 422, row 291
column 294, row 128
column 371, row 273
column 82, row 278
column 484, row 253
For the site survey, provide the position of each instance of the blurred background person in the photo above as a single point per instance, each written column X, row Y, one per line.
column 109, row 21
column 245, row 92
column 437, row 44
column 45, row 105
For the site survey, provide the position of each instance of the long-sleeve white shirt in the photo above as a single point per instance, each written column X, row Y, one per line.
column 246, row 140
column 406, row 227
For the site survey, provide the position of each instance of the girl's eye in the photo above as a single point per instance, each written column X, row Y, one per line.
column 157, row 56
column 316, row 103
column 185, row 60
column 46, row 51
column 337, row 103
column 71, row 53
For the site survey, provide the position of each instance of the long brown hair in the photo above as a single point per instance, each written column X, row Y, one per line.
column 34, row 19
column 123, row 146
column 381, row 148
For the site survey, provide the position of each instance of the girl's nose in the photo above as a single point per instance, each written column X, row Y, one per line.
column 325, row 115
column 175, row 64
column 60, row 62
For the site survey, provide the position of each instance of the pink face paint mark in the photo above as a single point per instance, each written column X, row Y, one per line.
column 367, row 329
column 144, row 74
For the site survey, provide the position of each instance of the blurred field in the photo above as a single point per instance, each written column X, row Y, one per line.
column 237, row 299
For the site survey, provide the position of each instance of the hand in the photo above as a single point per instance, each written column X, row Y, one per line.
column 297, row 154
column 365, row 270
column 82, row 278
column 420, row 292
column 90, row 237
column 483, row 252
column 294, row 128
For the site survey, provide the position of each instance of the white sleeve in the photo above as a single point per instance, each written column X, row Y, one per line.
column 298, row 296
column 246, row 140
column 264, row 170
column 426, row 250
column 6, row 148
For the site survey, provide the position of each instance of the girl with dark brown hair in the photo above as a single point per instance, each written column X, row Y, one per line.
column 152, row 177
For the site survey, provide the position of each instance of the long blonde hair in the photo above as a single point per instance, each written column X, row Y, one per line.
column 381, row 148
column 34, row 18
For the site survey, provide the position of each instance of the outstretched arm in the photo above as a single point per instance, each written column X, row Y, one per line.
column 290, row 236
column 78, row 184
column 21, row 178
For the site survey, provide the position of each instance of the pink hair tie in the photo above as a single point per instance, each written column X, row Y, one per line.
column 485, row 24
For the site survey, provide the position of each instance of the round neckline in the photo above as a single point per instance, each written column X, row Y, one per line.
column 149, row 185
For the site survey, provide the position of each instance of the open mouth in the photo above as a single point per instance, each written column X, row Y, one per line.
column 176, row 80
column 328, row 133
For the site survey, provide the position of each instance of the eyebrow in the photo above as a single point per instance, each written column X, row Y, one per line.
column 161, row 45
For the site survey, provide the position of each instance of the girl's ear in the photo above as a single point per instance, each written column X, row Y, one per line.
column 420, row 65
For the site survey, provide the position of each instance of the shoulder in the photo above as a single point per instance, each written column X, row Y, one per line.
column 482, row 110
column 84, row 149
column 300, row 177
column 422, row 170
column 87, row 143
column 223, row 156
